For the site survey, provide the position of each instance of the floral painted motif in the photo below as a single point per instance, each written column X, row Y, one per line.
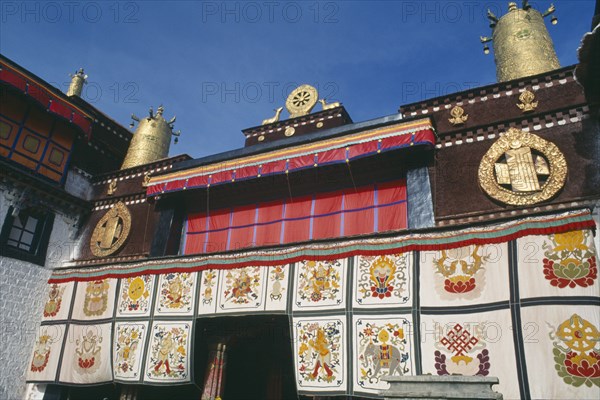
column 96, row 298
column 277, row 278
column 319, row 281
column 41, row 352
column 577, row 352
column 128, row 337
column 461, row 270
column 168, row 359
column 382, row 278
column 87, row 351
column 319, row 351
column 452, row 356
column 208, row 282
column 383, row 351
column 242, row 285
column 176, row 292
column 135, row 295
column 569, row 261
column 52, row 306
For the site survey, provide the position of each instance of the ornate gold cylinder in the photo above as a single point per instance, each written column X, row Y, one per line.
column 522, row 45
column 150, row 142
column 76, row 85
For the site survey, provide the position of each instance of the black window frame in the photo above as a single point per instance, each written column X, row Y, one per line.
column 41, row 237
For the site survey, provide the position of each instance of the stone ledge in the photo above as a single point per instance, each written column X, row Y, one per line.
column 435, row 387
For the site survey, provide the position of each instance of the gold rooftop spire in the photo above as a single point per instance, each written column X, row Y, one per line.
column 77, row 81
column 522, row 44
column 151, row 140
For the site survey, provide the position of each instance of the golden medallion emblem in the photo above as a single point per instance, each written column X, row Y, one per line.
column 111, row 231
column 301, row 101
column 521, row 168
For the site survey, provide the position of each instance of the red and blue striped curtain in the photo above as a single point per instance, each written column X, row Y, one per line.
column 368, row 209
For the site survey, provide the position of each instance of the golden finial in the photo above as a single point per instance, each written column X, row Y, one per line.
column 151, row 140
column 522, row 44
column 78, row 79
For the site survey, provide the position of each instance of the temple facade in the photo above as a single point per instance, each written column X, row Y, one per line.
column 454, row 237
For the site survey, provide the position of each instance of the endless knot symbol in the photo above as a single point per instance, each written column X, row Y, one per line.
column 459, row 340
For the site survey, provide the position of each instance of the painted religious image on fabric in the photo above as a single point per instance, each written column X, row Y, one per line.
column 128, row 347
column 320, row 352
column 87, row 354
column 277, row 287
column 242, row 288
column 136, row 296
column 576, row 351
column 176, row 294
column 473, row 274
column 461, row 350
column 208, row 291
column 168, row 354
column 320, row 284
column 570, row 259
column 381, row 348
column 95, row 299
column 46, row 353
column 382, row 281
column 58, row 301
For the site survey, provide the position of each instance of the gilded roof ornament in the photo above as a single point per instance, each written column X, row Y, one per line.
column 522, row 44
column 330, row 105
column 273, row 119
column 527, row 101
column 458, row 116
column 301, row 101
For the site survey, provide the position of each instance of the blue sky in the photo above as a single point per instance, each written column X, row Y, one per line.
column 224, row 66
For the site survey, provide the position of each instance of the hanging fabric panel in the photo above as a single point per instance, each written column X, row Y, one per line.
column 391, row 207
column 359, row 211
column 242, row 227
column 268, row 231
column 327, row 216
column 218, row 225
column 297, row 220
column 196, row 241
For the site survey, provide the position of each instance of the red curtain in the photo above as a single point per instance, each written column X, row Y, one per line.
column 196, row 235
column 391, row 207
column 268, row 230
column 327, row 216
column 218, row 226
column 297, row 220
column 359, row 213
column 368, row 209
column 242, row 227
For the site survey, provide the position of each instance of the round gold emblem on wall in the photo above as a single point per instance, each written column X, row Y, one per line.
column 111, row 231
column 521, row 168
column 289, row 131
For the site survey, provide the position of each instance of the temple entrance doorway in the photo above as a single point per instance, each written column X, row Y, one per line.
column 258, row 356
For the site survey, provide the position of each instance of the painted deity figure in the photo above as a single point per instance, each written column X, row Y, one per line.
column 175, row 292
column 167, row 345
column 241, row 286
column 321, row 346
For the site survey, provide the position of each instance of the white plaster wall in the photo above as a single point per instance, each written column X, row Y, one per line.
column 23, row 288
